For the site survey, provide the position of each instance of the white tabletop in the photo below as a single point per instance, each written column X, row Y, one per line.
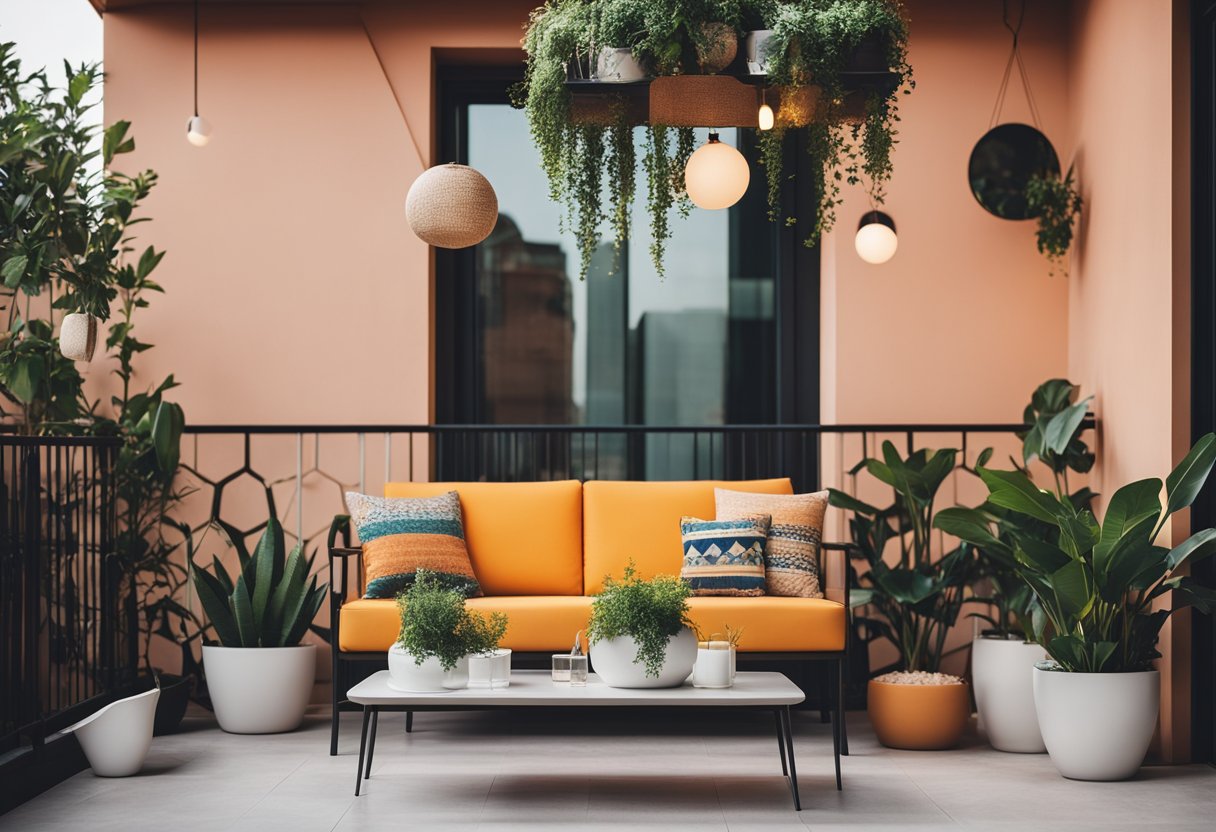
column 531, row 688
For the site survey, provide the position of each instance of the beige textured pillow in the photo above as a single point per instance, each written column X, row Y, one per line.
column 791, row 552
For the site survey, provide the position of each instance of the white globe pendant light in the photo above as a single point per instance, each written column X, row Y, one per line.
column 716, row 175
column 451, row 206
column 198, row 129
column 876, row 240
column 765, row 118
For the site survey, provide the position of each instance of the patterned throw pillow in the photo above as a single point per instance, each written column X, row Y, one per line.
column 724, row 557
column 401, row 535
column 791, row 553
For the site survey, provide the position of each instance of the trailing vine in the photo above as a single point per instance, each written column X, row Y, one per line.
column 1057, row 202
column 659, row 196
column 622, row 182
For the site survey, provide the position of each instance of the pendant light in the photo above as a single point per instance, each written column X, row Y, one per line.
column 198, row 129
column 716, row 175
column 765, row 117
column 451, row 206
column 876, row 240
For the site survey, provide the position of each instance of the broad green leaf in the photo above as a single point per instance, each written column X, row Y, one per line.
column 973, row 526
column 288, row 598
column 1014, row 490
column 1196, row 547
column 1128, row 506
column 1059, row 430
column 1124, row 560
column 1072, row 589
column 242, row 612
column 1100, row 653
column 216, row 605
column 840, row 499
column 1184, row 483
column 167, row 427
column 906, row 586
column 263, row 581
column 1069, row 651
column 14, row 269
column 114, row 141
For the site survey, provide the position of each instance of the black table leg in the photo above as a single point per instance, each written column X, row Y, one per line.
column 837, row 727
column 409, row 722
column 367, row 713
column 841, row 672
column 785, row 772
column 371, row 746
column 788, row 725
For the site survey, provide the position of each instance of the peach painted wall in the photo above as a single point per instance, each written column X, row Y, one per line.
column 1129, row 300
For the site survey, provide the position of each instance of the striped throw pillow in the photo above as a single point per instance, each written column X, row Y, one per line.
column 724, row 557
column 401, row 535
column 791, row 553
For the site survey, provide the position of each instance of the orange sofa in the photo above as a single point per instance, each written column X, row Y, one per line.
column 541, row 550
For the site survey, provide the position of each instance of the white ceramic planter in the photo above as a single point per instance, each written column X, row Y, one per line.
column 116, row 739
column 1003, row 681
column 618, row 66
column 491, row 670
column 756, row 44
column 429, row 677
column 1097, row 726
column 260, row 690
column 613, row 660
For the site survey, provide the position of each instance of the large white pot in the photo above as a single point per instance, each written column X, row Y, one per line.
column 116, row 739
column 405, row 674
column 618, row 66
column 1097, row 726
column 1003, row 682
column 260, row 690
column 613, row 660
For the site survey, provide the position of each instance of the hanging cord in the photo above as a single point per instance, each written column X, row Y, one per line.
column 1015, row 57
column 196, row 58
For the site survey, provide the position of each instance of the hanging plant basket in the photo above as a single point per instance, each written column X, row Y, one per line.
column 702, row 101
column 719, row 49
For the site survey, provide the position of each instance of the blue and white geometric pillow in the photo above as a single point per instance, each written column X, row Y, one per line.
column 724, row 557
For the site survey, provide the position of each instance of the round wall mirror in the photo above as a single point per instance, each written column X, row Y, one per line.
column 1003, row 161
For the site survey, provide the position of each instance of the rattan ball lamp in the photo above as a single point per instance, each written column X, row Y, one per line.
column 78, row 336
column 451, row 206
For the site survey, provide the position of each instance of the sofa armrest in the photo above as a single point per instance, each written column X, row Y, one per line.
column 835, row 560
column 340, row 558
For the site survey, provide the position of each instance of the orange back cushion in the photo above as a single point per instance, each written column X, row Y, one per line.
column 640, row 521
column 524, row 538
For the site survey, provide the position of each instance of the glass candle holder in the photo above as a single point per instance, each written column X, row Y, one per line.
column 562, row 663
column 579, row 668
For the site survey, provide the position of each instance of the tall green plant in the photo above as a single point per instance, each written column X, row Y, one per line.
column 273, row 598
column 1100, row 581
column 918, row 598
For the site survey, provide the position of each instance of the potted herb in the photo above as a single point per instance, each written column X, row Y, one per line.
column 916, row 601
column 1004, row 655
column 259, row 675
column 1098, row 582
column 1056, row 202
column 438, row 635
column 640, row 633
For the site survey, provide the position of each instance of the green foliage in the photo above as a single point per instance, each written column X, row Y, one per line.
column 1097, row 582
column 919, row 598
column 436, row 624
column 272, row 600
column 1056, row 202
column 651, row 612
column 1055, row 436
column 849, row 141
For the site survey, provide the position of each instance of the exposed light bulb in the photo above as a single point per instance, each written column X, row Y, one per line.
column 766, row 117
column 716, row 175
column 198, row 131
column 876, row 240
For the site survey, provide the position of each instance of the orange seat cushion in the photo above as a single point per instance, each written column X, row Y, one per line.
column 535, row 623
column 547, row 624
column 524, row 538
column 640, row 521
column 773, row 624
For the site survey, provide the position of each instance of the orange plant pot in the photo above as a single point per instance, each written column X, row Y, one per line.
column 919, row 717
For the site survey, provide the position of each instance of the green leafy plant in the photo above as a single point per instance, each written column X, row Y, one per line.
column 650, row 612
column 854, row 131
column 1056, row 203
column 272, row 600
column 918, row 598
column 436, row 624
column 1098, row 583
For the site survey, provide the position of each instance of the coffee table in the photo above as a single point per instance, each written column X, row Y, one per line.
column 534, row 689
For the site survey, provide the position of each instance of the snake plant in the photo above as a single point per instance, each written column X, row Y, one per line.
column 271, row 603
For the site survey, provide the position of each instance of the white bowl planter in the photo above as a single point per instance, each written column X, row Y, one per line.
column 618, row 66
column 116, row 739
column 613, row 660
column 429, row 677
column 1097, row 726
column 1003, row 681
column 260, row 690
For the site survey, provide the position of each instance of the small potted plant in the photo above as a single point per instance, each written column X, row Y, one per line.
column 916, row 601
column 259, row 675
column 640, row 633
column 1056, row 202
column 1097, row 697
column 438, row 635
column 1004, row 656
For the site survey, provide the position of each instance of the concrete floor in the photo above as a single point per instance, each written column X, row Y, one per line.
column 496, row 771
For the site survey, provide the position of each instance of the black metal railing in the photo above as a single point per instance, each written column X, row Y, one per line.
column 68, row 636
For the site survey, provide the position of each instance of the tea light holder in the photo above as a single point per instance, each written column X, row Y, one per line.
column 713, row 665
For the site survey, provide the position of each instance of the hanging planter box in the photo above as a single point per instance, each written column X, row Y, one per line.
column 797, row 106
column 628, row 104
column 702, row 101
